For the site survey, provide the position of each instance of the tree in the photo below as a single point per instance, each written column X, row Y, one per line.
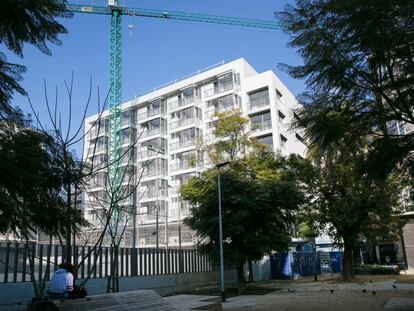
column 351, row 207
column 30, row 200
column 25, row 190
column 233, row 139
column 358, row 60
column 21, row 22
column 259, row 197
column 256, row 210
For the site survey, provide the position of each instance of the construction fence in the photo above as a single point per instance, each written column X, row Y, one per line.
column 291, row 265
column 15, row 265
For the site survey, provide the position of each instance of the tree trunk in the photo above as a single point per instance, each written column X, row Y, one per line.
column 240, row 278
column 250, row 271
column 314, row 261
column 68, row 255
column 348, row 272
column 113, row 282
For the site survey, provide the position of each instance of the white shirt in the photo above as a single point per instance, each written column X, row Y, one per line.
column 62, row 281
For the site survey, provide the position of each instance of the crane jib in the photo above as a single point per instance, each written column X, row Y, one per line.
column 206, row 18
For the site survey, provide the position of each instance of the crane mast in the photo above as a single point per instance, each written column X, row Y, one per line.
column 115, row 116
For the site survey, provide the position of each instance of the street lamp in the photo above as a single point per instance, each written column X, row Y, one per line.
column 160, row 150
column 222, row 290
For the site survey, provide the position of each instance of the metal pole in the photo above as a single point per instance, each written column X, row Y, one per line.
column 314, row 260
column 179, row 224
column 166, row 226
column 223, row 297
column 157, row 242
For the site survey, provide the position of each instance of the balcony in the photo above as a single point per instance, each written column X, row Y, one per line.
column 99, row 148
column 182, row 102
column 152, row 172
column 262, row 126
column 94, row 134
column 259, row 103
column 149, row 114
column 151, row 132
column 182, row 166
column 127, row 122
column 283, row 127
column 149, row 194
column 219, row 89
column 127, row 158
column 183, row 144
column 183, row 122
column 222, row 108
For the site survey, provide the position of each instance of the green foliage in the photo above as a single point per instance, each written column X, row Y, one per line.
column 352, row 207
column 32, row 22
column 233, row 139
column 357, row 62
column 256, row 210
column 30, row 185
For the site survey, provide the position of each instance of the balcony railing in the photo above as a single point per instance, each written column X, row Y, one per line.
column 151, row 132
column 93, row 134
column 149, row 113
column 182, row 102
column 262, row 126
column 153, row 194
column 218, row 89
column 182, row 166
column 182, row 122
column 99, row 148
column 154, row 172
column 221, row 108
column 183, row 144
column 260, row 102
column 127, row 122
column 283, row 127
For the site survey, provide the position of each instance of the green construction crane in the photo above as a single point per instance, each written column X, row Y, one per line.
column 116, row 12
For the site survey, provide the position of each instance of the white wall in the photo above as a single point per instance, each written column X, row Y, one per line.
column 12, row 293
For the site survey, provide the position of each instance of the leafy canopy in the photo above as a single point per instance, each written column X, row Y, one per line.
column 30, row 185
column 357, row 63
column 25, row 21
column 258, row 204
column 260, row 194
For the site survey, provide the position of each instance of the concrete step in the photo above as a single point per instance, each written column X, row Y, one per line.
column 147, row 300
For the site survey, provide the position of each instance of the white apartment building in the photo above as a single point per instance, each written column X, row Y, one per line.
column 167, row 125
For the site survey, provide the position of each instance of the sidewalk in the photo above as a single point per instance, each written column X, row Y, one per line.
column 366, row 293
column 330, row 293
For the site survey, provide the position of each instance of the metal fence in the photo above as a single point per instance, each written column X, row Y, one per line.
column 15, row 265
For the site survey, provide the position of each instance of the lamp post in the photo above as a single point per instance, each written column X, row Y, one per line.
column 222, row 289
column 160, row 150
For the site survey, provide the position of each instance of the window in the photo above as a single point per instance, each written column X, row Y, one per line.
column 279, row 95
column 224, row 83
column 259, row 98
column 300, row 138
column 266, row 140
column 261, row 121
column 283, row 141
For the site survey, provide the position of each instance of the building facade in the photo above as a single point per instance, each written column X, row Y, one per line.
column 161, row 135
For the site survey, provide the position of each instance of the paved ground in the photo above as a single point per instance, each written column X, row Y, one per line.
column 330, row 293
column 366, row 293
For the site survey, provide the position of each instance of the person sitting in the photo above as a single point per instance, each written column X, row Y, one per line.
column 61, row 284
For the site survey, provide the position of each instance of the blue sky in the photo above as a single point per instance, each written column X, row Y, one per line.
column 155, row 52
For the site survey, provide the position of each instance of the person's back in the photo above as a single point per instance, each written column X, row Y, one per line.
column 61, row 283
